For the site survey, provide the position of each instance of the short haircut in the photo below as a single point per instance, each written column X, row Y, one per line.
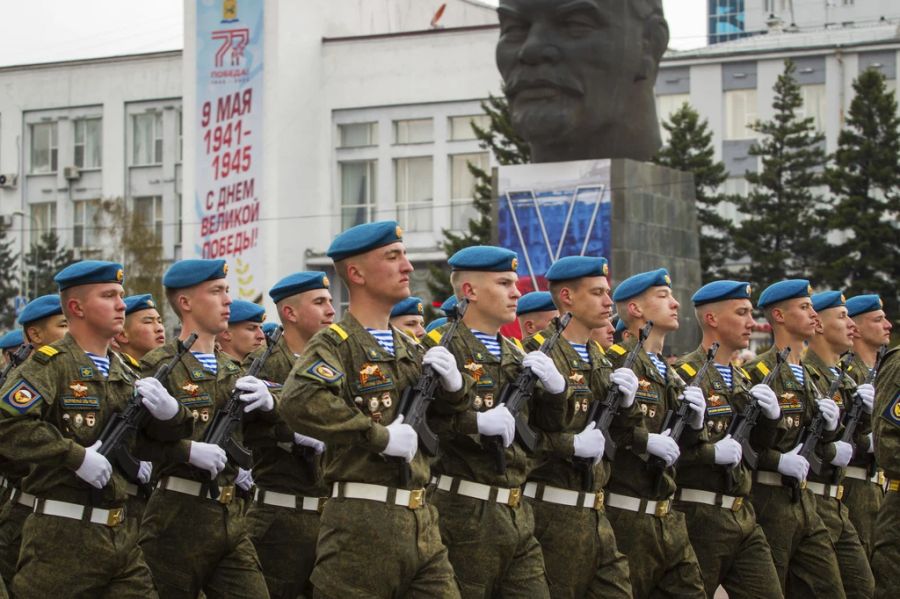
column 172, row 297
column 556, row 288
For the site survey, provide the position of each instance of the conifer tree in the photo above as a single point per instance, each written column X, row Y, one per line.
column 42, row 262
column 9, row 283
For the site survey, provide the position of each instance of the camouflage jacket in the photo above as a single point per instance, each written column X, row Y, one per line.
column 887, row 415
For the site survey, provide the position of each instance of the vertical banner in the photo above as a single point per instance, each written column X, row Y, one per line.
column 229, row 138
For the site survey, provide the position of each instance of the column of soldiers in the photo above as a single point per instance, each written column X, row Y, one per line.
column 390, row 459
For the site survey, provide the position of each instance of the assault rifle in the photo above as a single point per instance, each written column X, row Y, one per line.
column 743, row 424
column 854, row 412
column 122, row 426
column 812, row 435
column 15, row 360
column 517, row 394
column 603, row 411
column 227, row 420
column 415, row 400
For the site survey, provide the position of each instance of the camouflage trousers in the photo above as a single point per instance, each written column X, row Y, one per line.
column 68, row 558
column 732, row 550
column 193, row 544
column 492, row 548
column 285, row 541
column 856, row 574
column 12, row 518
column 661, row 560
column 886, row 548
column 369, row 549
column 863, row 499
column 801, row 546
column 580, row 552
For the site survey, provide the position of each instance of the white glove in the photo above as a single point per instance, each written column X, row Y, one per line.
column 766, row 400
column 697, row 403
column 627, row 382
column 444, row 364
column 728, row 451
column 664, row 447
column 541, row 364
column 871, row 443
column 305, row 441
column 244, row 479
column 95, row 470
column 497, row 422
column 207, row 456
column 842, row 454
column 256, row 396
column 145, row 470
column 830, row 412
column 403, row 441
column 866, row 393
column 156, row 399
column 590, row 443
column 794, row 465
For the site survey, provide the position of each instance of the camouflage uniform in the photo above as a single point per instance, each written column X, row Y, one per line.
column 578, row 542
column 284, row 537
column 192, row 542
column 886, row 542
column 491, row 543
column 343, row 390
column 801, row 545
column 58, row 404
column 731, row 547
column 15, row 509
column 661, row 559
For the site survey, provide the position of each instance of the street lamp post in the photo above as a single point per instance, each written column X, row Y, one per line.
column 23, row 285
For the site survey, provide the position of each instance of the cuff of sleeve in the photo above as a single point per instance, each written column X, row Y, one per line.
column 768, row 460
column 181, row 452
column 75, row 456
column 460, row 396
column 378, row 438
column 551, row 398
column 828, row 452
column 467, row 423
column 566, row 445
column 707, row 453
column 639, row 441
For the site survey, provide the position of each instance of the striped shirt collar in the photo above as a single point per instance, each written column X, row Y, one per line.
column 661, row 366
column 491, row 343
column 208, row 361
column 384, row 338
column 725, row 371
column 101, row 362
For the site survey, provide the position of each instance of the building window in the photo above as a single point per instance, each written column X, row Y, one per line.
column 462, row 187
column 84, row 229
column 813, row 104
column 88, row 143
column 665, row 106
column 180, row 156
column 415, row 192
column 357, row 192
column 461, row 126
column 44, row 151
column 740, row 113
column 726, row 20
column 415, row 131
column 358, row 135
column 148, row 138
column 44, row 219
column 148, row 213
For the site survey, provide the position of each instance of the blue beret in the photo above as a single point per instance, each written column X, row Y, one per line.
column 575, row 267
column 41, row 307
column 187, row 273
column 244, row 311
column 268, row 327
column 136, row 303
column 620, row 325
column 536, row 301
column 87, row 272
column 784, row 290
column 825, row 300
column 721, row 290
column 298, row 283
column 411, row 306
column 363, row 238
column 12, row 339
column 484, row 258
column 861, row 304
column 639, row 283
column 437, row 322
column 449, row 305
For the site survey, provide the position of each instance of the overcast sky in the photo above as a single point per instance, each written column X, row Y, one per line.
column 50, row 30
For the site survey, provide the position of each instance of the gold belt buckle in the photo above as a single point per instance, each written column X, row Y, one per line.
column 226, row 495
column 515, row 495
column 416, row 499
column 662, row 508
column 599, row 501
column 894, row 485
column 840, row 492
column 879, row 478
column 802, row 484
column 115, row 516
column 738, row 504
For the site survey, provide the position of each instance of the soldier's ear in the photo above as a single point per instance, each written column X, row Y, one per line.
column 355, row 274
column 468, row 291
column 634, row 311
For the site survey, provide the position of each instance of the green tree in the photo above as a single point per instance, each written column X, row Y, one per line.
column 9, row 284
column 43, row 260
column 690, row 149
column 778, row 235
column 508, row 148
column 864, row 179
